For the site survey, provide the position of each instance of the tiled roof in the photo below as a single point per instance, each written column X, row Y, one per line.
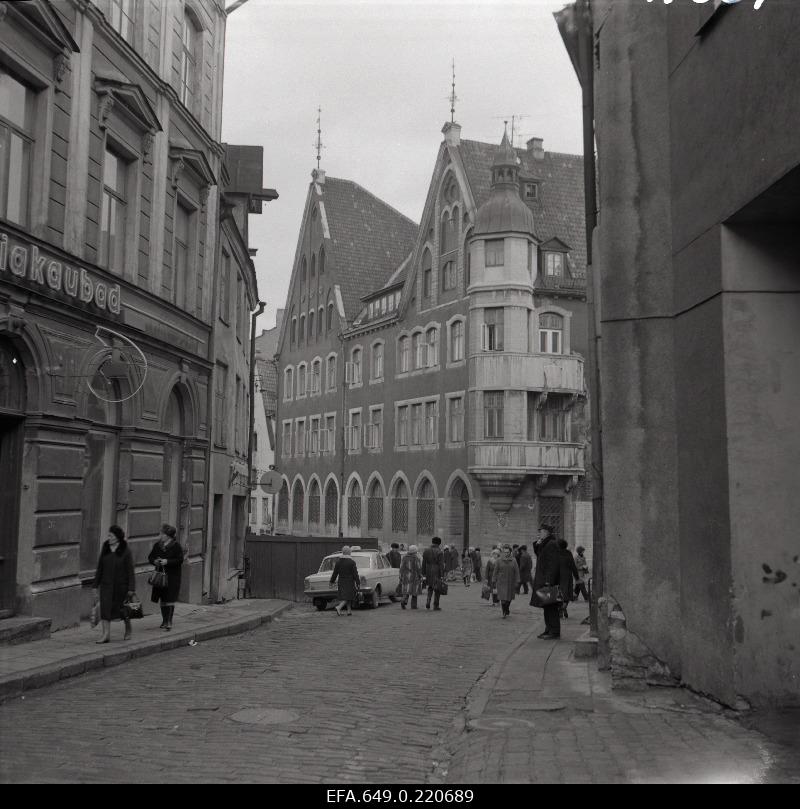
column 369, row 240
column 559, row 210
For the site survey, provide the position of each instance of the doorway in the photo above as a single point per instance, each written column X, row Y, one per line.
column 459, row 514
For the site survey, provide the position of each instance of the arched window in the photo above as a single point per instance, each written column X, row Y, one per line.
column 298, row 504
column 302, row 335
column 288, row 383
column 375, row 506
column 420, row 350
column 354, row 506
column 303, row 276
column 294, row 331
column 283, row 506
column 444, row 233
column 331, row 373
column 355, row 361
column 320, row 321
column 321, row 262
column 310, row 325
column 456, row 340
column 316, row 377
column 331, row 506
column 432, row 340
column 313, row 506
column 301, row 380
column 313, row 286
column 400, row 508
column 404, row 354
column 427, row 274
column 551, row 332
column 377, row 361
column 330, row 317
column 426, row 508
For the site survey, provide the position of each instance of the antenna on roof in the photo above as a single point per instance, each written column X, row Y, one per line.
column 453, row 96
column 318, row 144
column 515, row 118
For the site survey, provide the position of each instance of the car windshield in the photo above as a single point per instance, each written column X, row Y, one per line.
column 362, row 560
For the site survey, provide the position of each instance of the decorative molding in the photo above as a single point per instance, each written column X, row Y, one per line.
column 60, row 65
column 177, row 167
column 3, row 11
column 104, row 110
column 540, row 482
column 204, row 197
column 572, row 482
column 147, row 144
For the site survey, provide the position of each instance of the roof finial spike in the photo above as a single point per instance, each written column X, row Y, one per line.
column 318, row 145
column 453, row 96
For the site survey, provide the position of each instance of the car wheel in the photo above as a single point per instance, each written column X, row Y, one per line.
column 376, row 598
column 320, row 603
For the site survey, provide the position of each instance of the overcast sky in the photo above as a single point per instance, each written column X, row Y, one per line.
column 381, row 72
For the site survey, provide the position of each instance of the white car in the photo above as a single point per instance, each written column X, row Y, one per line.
column 378, row 579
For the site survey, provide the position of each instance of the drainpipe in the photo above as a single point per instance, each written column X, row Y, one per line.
column 253, row 317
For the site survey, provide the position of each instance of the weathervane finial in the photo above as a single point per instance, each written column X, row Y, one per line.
column 453, row 96
column 318, row 145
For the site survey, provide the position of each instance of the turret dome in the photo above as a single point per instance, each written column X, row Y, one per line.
column 504, row 211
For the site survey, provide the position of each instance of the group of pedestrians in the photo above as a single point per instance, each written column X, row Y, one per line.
column 114, row 585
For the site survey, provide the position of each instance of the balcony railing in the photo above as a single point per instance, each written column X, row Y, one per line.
column 531, row 457
column 554, row 372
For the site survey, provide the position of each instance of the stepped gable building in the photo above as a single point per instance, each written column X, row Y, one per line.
column 110, row 164
column 449, row 396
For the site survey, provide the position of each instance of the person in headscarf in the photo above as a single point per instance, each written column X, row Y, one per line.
column 167, row 556
column 346, row 571
column 506, row 578
column 114, row 581
column 411, row 580
column 491, row 567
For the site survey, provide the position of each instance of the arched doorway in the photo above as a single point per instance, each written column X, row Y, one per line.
column 354, row 509
column 458, row 518
column 13, row 402
column 331, row 508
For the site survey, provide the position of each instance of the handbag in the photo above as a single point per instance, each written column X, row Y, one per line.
column 548, row 595
column 158, row 578
column 441, row 587
column 94, row 615
column 132, row 608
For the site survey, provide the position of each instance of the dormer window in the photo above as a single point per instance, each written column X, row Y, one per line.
column 531, row 190
column 554, row 265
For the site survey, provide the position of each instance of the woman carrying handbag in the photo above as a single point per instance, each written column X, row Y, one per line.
column 114, row 582
column 167, row 556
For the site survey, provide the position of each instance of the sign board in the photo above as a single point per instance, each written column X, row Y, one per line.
column 270, row 482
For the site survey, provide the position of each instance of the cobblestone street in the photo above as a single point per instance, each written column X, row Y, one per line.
column 383, row 697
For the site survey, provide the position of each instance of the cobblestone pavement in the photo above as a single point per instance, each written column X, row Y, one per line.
column 386, row 696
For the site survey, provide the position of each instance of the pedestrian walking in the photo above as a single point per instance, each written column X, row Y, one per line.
column 433, row 569
column 506, row 577
column 466, row 568
column 114, row 582
column 411, row 579
column 525, row 568
column 583, row 573
column 477, row 564
column 567, row 574
column 491, row 567
column 346, row 571
column 167, row 556
column 394, row 556
column 548, row 571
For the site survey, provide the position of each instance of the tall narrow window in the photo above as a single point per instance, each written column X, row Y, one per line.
column 495, row 250
column 123, row 13
column 356, row 360
column 239, row 307
column 449, row 275
column 432, row 341
column 329, row 324
column 553, row 421
column 237, row 420
column 220, row 418
column 493, row 329
column 402, row 426
column 457, row 341
column 302, row 335
column 404, row 348
column 377, row 361
column 310, row 324
column 551, row 330
column 112, row 216
column 493, row 414
column 321, row 262
column 188, row 68
column 225, row 288
column 431, row 422
column 331, row 373
column 456, row 419
column 427, row 272
column 16, row 144
column 416, row 424
column 554, row 264
column 420, row 350
column 182, row 255
column 293, row 338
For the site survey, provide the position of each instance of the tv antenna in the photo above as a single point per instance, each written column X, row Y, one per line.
column 514, row 118
column 318, row 144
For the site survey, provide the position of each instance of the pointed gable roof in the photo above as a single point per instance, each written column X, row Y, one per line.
column 559, row 210
column 369, row 240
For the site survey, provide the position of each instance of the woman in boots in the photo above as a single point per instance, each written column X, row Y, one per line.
column 167, row 555
column 346, row 571
column 114, row 582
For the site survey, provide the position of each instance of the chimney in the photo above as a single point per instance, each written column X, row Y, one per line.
column 535, row 148
column 452, row 133
column 318, row 175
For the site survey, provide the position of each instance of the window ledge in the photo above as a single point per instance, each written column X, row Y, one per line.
column 456, row 364
column 378, row 381
column 454, row 445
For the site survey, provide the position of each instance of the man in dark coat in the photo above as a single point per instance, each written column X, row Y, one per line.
column 568, row 573
column 394, row 556
column 525, row 568
column 433, row 570
column 476, row 564
column 548, row 572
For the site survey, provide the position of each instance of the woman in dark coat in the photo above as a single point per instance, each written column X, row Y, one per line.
column 548, row 572
column 491, row 569
column 167, row 555
column 114, row 579
column 506, row 579
column 346, row 571
column 411, row 581
column 568, row 573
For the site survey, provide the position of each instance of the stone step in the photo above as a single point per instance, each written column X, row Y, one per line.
column 585, row 646
column 23, row 629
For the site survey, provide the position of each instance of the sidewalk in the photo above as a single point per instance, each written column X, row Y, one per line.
column 71, row 652
column 539, row 715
